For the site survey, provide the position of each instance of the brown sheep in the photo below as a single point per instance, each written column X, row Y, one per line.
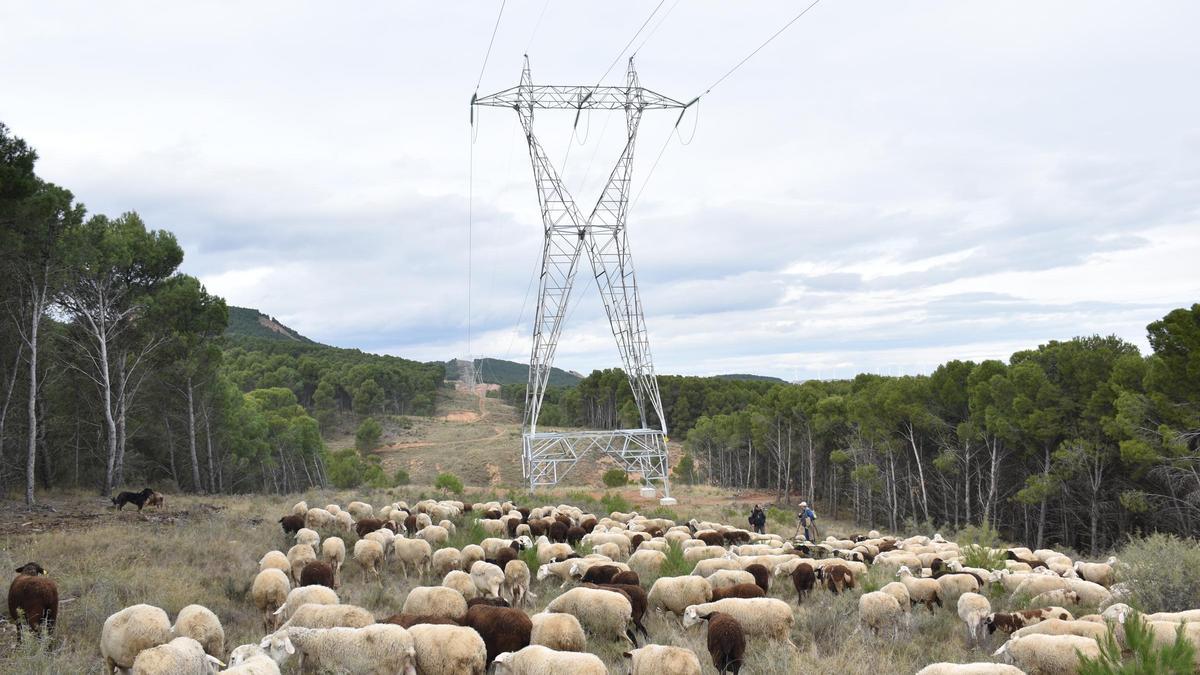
column 291, row 524
column 34, row 595
column 494, row 602
column 574, row 534
column 410, row 523
column 600, row 574
column 738, row 591
column 636, row 540
column 628, row 578
column 410, row 620
column 762, row 576
column 711, row 538
column 558, row 531
column 503, row 629
column 367, row 525
column 733, row 537
column 511, row 525
column 726, row 642
column 505, row 555
column 524, row 511
column 803, row 578
column 837, row 578
column 1009, row 622
column 317, row 573
column 588, row 524
column 537, row 528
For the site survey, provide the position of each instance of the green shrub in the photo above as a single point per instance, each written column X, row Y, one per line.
column 345, row 468
column 1145, row 658
column 780, row 516
column 976, row 555
column 663, row 512
column 467, row 532
column 401, row 477
column 448, row 482
column 367, row 436
column 685, row 470
column 675, row 565
column 615, row 478
column 612, row 501
column 1162, row 573
column 980, row 535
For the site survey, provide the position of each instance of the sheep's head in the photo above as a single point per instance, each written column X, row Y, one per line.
column 691, row 617
column 502, row 662
column 543, row 572
column 1003, row 654
column 904, row 571
column 244, row 653
column 278, row 646
column 31, row 569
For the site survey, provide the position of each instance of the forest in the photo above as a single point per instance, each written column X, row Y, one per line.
column 115, row 369
column 1076, row 442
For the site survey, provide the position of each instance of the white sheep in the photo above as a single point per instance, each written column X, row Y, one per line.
column 131, row 630
column 656, row 659
column 333, row 508
column 461, row 582
column 602, row 613
column 488, row 578
column 727, row 578
column 415, row 552
column 974, row 609
column 316, row 519
column 539, row 660
column 516, row 583
column 760, row 617
column 270, row 591
column 307, row 536
column 982, row 668
column 435, row 601
column 250, row 660
column 1048, row 653
column 448, row 526
column 900, row 592
column 329, row 616
column 360, row 510
column 181, row 655
column 345, row 521
column 369, row 554
column 562, row 570
column 333, row 550
column 448, row 650
column 950, row 586
column 561, row 632
column 1090, row 593
column 927, row 591
column 199, row 623
column 298, row 556
column 1088, row 629
column 1099, row 573
column 706, row 567
column 275, row 560
column 300, row 508
column 445, row 560
column 376, row 649
column 436, row 535
column 385, row 537
column 1057, row 596
column 676, row 594
column 878, row 611
column 472, row 553
column 305, row 595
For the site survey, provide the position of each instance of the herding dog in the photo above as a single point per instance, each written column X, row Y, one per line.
column 138, row 498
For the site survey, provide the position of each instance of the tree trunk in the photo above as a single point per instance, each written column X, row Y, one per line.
column 122, row 377
column 31, row 454
column 912, row 441
column 192, row 438
column 1041, row 529
column 212, row 474
column 171, row 448
column 110, row 423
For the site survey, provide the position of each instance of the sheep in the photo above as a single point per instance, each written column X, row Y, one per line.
column 1009, row 622
column 345, row 521
column 130, row 631
column 539, row 660
column 503, row 629
column 300, row 508
column 738, row 591
column 710, row 565
column 1099, row 573
column 982, row 668
column 837, row 578
column 561, row 632
column 646, row 561
column 275, row 560
column 952, row 585
column 762, row 576
column 1090, row 593
column 444, row 560
column 448, row 650
column 181, row 655
column 298, row 556
column 803, row 579
column 726, row 642
column 250, row 660
column 316, row 519
column 199, row 623
column 637, row 601
column 384, row 537
column 307, row 536
column 765, row 617
column 878, row 610
column 654, row 659
column 333, row 550
column 360, row 510
column 1039, row 653
column 369, row 554
column 291, row 524
column 726, row 578
column 435, row 601
column 377, row 649
column 317, row 573
column 1057, row 596
column 415, row 552
column 269, row 590
column 35, row 596
column 488, row 578
column 602, row 612
column 1089, row 629
column 329, row 616
column 516, row 583
column 900, row 592
column 676, row 594
column 436, row 535
column 926, row 591
column 1033, row 584
column 304, row 595
column 461, row 582
column 974, row 609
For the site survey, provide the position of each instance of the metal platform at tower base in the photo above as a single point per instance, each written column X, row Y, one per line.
column 550, row 455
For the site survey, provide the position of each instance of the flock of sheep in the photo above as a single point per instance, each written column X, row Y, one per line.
column 476, row 617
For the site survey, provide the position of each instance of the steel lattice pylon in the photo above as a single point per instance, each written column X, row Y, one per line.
column 548, row 456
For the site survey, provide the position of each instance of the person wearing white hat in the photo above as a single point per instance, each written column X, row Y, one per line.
column 808, row 520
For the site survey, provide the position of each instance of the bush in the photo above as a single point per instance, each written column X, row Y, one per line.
column 449, row 483
column 685, row 470
column 980, row 535
column 1145, row 658
column 615, row 478
column 975, row 555
column 675, row 565
column 346, row 468
column 780, row 516
column 611, row 501
column 367, row 436
column 1162, row 573
column 401, row 477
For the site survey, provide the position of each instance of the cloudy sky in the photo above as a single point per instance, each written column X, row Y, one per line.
column 884, row 187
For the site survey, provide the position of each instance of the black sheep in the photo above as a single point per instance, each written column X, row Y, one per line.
column 762, row 576
column 574, row 534
column 291, row 524
column 34, row 596
column 367, row 526
column 726, row 642
column 317, row 573
column 600, row 574
column 558, row 532
column 803, row 578
column 410, row 620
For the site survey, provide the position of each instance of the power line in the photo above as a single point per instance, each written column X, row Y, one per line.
column 536, row 26
column 759, row 48
column 490, row 42
column 654, row 30
column 623, row 49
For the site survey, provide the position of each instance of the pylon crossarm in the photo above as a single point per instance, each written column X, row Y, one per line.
column 550, row 97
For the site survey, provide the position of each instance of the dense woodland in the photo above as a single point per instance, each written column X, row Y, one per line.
column 115, row 371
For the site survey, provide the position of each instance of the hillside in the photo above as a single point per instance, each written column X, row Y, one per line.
column 246, row 322
column 499, row 371
column 744, row 377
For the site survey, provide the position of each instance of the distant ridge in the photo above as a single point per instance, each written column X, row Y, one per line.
column 499, row 371
column 246, row 322
column 749, row 378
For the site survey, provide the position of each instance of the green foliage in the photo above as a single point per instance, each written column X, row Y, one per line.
column 469, row 531
column 685, row 471
column 780, row 516
column 979, row 535
column 615, row 478
column 1144, row 656
column 401, row 477
column 613, row 501
column 1162, row 573
column 975, row 555
column 675, row 565
column 448, row 482
column 345, row 468
column 366, row 438
column 663, row 512
column 530, row 557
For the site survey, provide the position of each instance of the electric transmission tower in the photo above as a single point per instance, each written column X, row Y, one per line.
column 601, row 237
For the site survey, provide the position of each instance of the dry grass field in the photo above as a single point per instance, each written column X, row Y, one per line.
column 205, row 550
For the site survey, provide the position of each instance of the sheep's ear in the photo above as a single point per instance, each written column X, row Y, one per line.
column 628, row 655
column 213, row 659
column 288, row 646
column 266, row 642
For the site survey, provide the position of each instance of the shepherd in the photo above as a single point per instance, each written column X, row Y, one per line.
column 807, row 519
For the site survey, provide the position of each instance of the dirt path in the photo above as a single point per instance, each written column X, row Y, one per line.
column 499, row 432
